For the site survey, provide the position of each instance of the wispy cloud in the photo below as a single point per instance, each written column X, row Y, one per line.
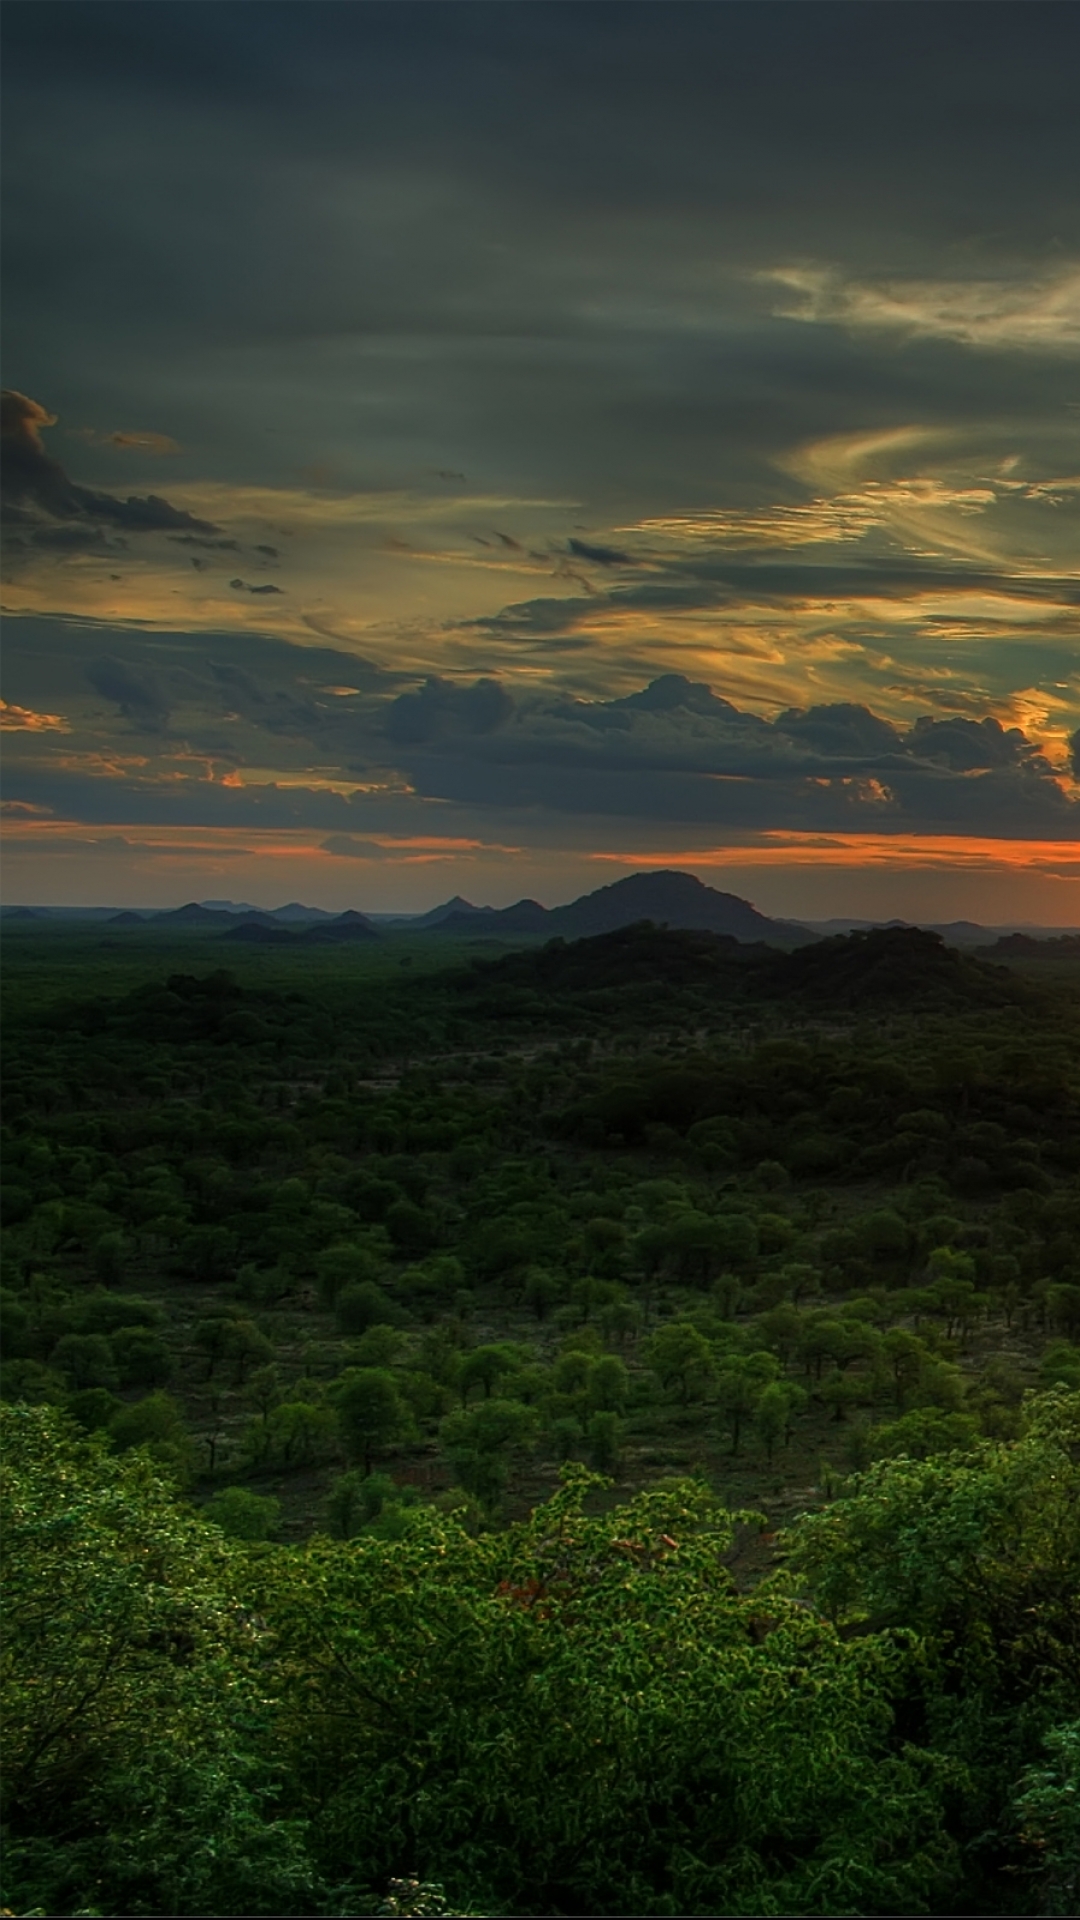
column 1001, row 314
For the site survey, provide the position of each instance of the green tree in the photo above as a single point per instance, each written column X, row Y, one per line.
column 347, row 1265
column 86, row 1359
column 680, row 1356
column 604, row 1433
column 144, row 1358
column 371, row 1412
column 478, row 1443
column 663, row 1742
column 771, row 1413
column 370, row 1504
column 485, row 1367
column 244, row 1515
column 380, row 1346
column 740, row 1380
column 1047, row 1810
column 110, row 1257
column 364, row 1305
column 213, row 1336
column 607, row 1387
column 248, row 1347
column 132, row 1692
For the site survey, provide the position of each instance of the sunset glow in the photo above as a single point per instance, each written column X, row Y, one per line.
column 445, row 493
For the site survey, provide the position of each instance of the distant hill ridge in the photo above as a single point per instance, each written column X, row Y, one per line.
column 345, row 928
column 899, row 966
column 666, row 897
column 1020, row 946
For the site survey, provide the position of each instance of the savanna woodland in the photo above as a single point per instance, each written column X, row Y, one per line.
column 591, row 1428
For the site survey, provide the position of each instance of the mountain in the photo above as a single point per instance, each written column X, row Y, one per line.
column 670, row 899
column 194, row 915
column 347, row 926
column 449, row 907
column 665, row 897
column 955, row 933
column 266, row 932
column 296, row 911
column 1021, row 946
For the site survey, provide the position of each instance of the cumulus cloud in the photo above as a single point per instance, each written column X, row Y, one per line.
column 677, row 751
column 841, row 731
column 45, row 508
column 442, row 708
column 244, row 586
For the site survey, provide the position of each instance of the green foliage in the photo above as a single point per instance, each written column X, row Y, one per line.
column 597, row 1688
column 362, row 1306
column 507, row 1191
column 681, row 1358
column 370, row 1504
column 132, row 1704
column 478, row 1443
column 604, row 1433
column 371, row 1412
column 979, row 1554
column 1047, row 1807
column 244, row 1515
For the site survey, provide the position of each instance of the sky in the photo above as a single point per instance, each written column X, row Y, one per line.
column 489, row 449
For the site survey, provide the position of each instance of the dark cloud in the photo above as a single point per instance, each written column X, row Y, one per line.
column 585, row 298
column 840, row 731
column 48, row 509
column 675, row 751
column 700, row 583
column 673, row 691
column 527, row 243
column 678, row 752
column 138, row 695
column 968, row 746
column 443, row 709
column 600, row 556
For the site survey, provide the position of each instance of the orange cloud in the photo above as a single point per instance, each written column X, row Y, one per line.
column 942, row 852
column 25, row 720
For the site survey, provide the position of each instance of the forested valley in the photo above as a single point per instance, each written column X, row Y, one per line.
column 584, row 1428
